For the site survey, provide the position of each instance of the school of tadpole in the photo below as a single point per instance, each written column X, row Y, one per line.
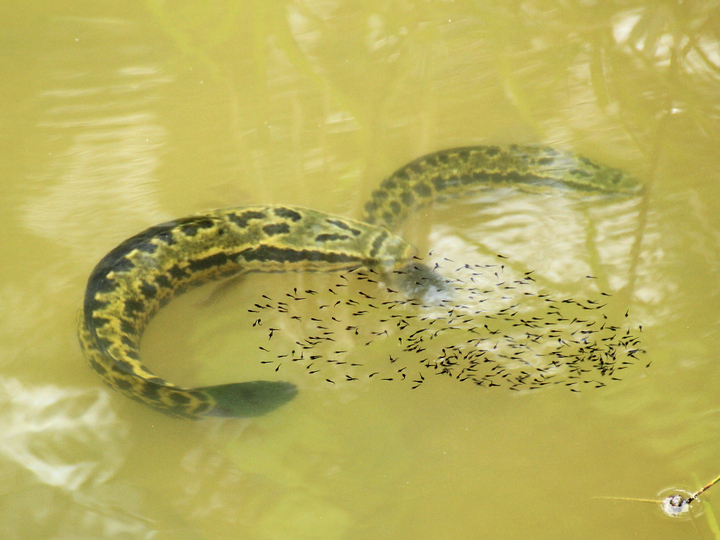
column 484, row 325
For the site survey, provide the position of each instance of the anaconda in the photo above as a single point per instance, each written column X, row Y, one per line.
column 137, row 278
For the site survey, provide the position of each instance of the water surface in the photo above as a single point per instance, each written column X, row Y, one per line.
column 117, row 117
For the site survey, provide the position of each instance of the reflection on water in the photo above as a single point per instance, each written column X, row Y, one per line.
column 120, row 117
column 112, row 143
column 72, row 444
column 43, row 427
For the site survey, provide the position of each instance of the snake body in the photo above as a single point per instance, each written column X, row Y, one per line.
column 137, row 278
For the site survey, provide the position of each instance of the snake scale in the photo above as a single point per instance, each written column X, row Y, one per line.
column 141, row 275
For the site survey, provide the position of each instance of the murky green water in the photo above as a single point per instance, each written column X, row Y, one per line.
column 117, row 116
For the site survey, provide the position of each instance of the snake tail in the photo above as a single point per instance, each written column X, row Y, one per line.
column 454, row 171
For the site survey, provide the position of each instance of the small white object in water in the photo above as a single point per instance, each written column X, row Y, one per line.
column 675, row 505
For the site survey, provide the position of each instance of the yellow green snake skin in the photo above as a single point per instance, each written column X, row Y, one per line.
column 137, row 278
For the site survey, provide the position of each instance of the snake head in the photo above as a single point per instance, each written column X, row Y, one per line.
column 246, row 399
